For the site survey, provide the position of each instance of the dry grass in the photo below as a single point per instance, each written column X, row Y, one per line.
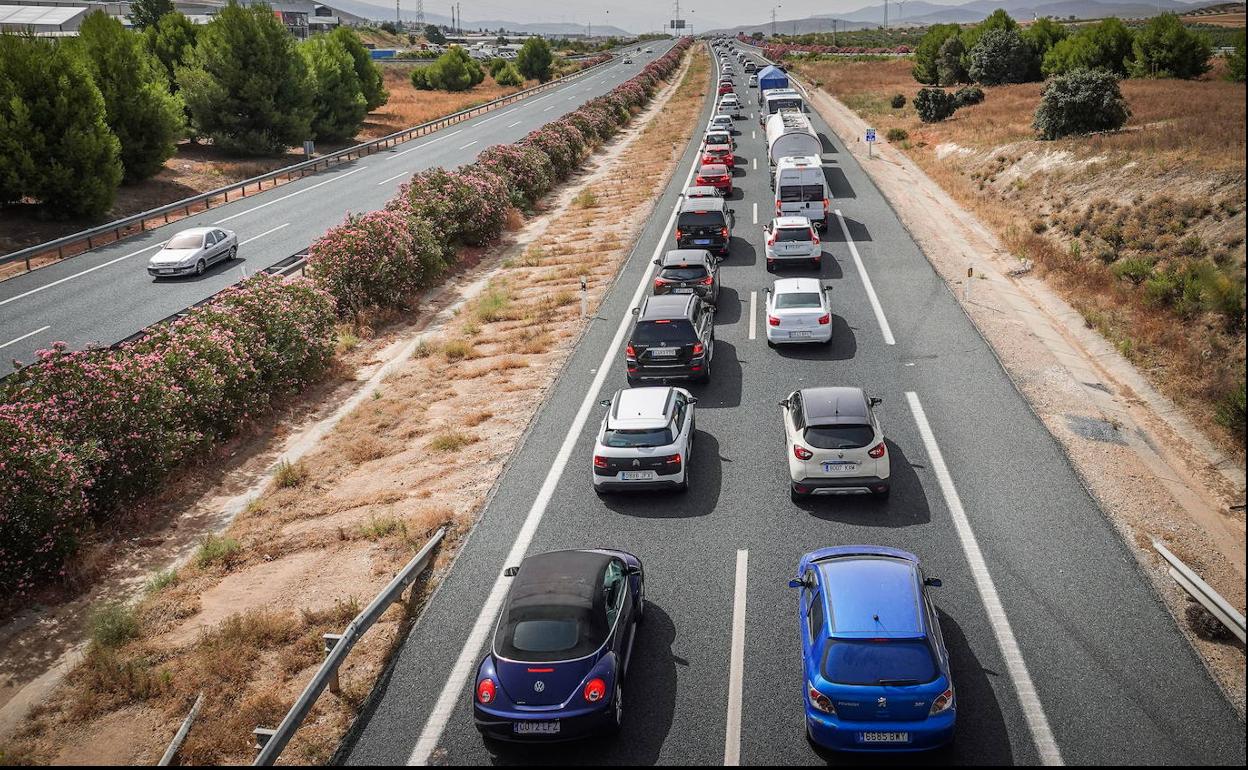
column 1088, row 210
column 409, row 106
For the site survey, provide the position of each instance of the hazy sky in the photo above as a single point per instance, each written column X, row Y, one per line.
column 645, row 15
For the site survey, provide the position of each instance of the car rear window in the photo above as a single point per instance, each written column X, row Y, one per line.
column 793, row 193
column 879, row 661
column 791, row 234
column 839, row 436
column 701, row 219
column 185, row 242
column 798, row 299
column 691, row 273
column 623, row 439
column 676, row 332
column 545, row 636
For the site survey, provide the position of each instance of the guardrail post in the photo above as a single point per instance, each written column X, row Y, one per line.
column 331, row 641
column 262, row 735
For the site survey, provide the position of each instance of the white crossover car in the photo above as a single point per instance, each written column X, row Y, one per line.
column 798, row 310
column 834, row 443
column 792, row 239
column 645, row 440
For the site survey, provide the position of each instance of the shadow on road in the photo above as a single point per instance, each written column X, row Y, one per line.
column 705, row 481
column 906, row 505
column 842, row 347
column 838, row 185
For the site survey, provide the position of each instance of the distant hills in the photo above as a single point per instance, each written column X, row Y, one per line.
column 381, row 12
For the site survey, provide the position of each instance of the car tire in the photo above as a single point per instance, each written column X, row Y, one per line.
column 771, row 266
column 795, row 496
column 633, row 382
column 200, row 267
column 816, row 264
column 617, row 710
column 233, row 255
column 771, row 344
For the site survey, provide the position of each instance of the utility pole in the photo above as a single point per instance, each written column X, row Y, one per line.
column 885, row 14
column 834, row 33
column 459, row 20
column 398, row 16
column 420, row 14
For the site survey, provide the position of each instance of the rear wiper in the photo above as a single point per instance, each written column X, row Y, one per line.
column 898, row 682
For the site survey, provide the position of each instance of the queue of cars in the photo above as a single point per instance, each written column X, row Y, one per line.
column 876, row 673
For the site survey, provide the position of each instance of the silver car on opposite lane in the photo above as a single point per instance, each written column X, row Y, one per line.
column 193, row 251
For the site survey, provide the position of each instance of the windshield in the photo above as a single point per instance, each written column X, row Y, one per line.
column 794, row 193
column 789, row 103
column 691, row 273
column 791, row 234
column 798, row 299
column 839, row 436
column 625, row 439
column 679, row 332
column 879, row 662
column 185, row 242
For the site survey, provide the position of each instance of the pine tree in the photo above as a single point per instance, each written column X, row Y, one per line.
column 171, row 41
column 147, row 13
column 534, row 59
column 375, row 93
column 339, row 99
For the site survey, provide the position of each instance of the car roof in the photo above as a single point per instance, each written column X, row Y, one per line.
column 713, row 168
column 686, row 256
column 563, row 578
column 704, row 190
column 195, row 231
column 666, row 306
column 835, row 405
column 791, row 222
column 641, row 407
column 790, row 285
column 872, row 596
column 704, row 204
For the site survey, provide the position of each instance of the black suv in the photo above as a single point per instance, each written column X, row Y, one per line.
column 704, row 223
column 688, row 271
column 672, row 338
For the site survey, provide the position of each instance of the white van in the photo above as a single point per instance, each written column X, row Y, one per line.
column 791, row 135
column 802, row 190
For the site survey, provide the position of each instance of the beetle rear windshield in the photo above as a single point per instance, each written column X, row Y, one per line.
column 896, row 662
column 690, row 273
column 701, row 219
column 625, row 439
column 839, row 436
column 675, row 332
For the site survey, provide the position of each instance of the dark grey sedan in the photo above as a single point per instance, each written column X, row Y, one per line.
column 193, row 251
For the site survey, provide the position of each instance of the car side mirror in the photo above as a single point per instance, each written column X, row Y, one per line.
column 658, row 262
column 636, row 311
column 691, row 400
column 511, row 571
column 784, row 404
column 876, row 401
column 605, row 402
column 933, row 582
column 796, row 583
column 632, row 569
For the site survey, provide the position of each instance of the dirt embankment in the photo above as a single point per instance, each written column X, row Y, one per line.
column 445, row 399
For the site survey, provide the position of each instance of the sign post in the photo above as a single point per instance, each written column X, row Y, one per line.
column 870, row 141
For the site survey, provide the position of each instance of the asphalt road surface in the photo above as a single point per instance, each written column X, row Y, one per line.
column 1061, row 652
column 106, row 295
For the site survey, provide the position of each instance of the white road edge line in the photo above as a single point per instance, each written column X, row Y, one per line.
column 289, row 195
column 753, row 313
column 467, row 660
column 736, row 663
column 24, row 336
column 1033, row 712
column 261, row 235
column 866, row 283
column 38, row 289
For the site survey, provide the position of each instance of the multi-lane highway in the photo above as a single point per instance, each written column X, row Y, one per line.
column 1061, row 652
column 106, row 295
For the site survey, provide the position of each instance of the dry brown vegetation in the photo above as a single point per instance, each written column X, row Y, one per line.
column 243, row 623
column 1114, row 221
column 409, row 106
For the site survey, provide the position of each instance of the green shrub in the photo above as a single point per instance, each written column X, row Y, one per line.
column 215, row 549
column 934, row 104
column 927, row 52
column 453, row 71
column 1235, row 61
column 897, row 135
column 1001, row 56
column 898, row 101
column 509, row 76
column 495, row 66
column 112, row 625
column 1080, row 102
column 535, row 59
column 1105, row 45
column 371, row 81
column 1135, row 269
column 967, row 95
column 950, row 64
column 1230, row 411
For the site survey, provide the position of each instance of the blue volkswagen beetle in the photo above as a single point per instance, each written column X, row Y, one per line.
column 876, row 669
column 564, row 640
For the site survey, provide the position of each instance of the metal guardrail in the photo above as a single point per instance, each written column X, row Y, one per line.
column 180, row 736
column 1202, row 592
column 126, row 226
column 271, row 742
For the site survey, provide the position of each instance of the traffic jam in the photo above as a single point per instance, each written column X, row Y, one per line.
column 876, row 671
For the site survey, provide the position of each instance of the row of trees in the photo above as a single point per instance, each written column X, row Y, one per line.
column 80, row 116
column 455, row 70
column 998, row 51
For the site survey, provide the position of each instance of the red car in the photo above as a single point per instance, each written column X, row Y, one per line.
column 725, row 88
column 715, row 175
column 718, row 154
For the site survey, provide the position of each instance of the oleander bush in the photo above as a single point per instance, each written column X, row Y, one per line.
column 526, row 170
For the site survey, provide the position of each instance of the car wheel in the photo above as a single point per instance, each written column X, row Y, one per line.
column 200, row 267
column 233, row 255
column 816, row 263
column 633, row 382
column 706, row 374
column 617, row 710
column 771, row 266
column 771, row 344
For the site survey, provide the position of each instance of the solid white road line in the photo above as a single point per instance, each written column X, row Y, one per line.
column 24, row 336
column 513, row 125
column 466, row 146
column 338, row 178
column 754, row 163
column 261, row 235
column 38, row 289
column 866, row 282
column 753, row 312
column 469, row 654
column 736, row 664
column 392, row 178
column 1033, row 712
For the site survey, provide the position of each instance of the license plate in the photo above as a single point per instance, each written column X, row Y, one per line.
column 839, row 467
column 883, row 737
column 664, row 352
column 799, row 334
column 682, row 290
column 701, row 241
column 536, row 728
column 166, row 271
column 637, row 475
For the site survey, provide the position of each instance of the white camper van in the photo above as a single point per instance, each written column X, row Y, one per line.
column 790, row 135
column 802, row 190
column 774, row 100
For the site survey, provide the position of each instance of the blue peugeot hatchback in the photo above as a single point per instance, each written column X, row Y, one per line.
column 563, row 643
column 876, row 668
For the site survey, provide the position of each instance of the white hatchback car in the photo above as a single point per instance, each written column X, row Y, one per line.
column 729, row 105
column 798, row 310
column 834, row 443
column 792, row 239
column 645, row 440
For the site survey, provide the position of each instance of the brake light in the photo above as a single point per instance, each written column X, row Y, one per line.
column 707, row 281
column 825, row 319
column 877, row 451
column 943, row 702
column 723, row 232
column 698, row 348
column 819, row 700
column 825, row 204
column 773, row 320
column 814, row 236
column 595, row 690
column 485, row 691
column 777, row 207
column 802, row 453
column 600, row 461
column 630, row 351
column 672, row 459
column 771, row 239
column 660, row 281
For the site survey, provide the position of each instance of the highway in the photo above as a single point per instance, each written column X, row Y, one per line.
column 1061, row 652
column 106, row 295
